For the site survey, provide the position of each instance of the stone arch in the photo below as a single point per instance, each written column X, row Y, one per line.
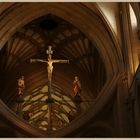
column 85, row 20
column 91, row 26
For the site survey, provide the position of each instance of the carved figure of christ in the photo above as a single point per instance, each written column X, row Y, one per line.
column 49, row 63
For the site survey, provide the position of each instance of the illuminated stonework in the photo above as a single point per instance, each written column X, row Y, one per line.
column 35, row 106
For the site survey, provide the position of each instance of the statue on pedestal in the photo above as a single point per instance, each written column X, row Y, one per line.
column 20, row 100
column 77, row 90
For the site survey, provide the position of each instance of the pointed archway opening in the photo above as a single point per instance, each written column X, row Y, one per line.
column 31, row 41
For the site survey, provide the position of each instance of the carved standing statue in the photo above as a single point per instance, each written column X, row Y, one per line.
column 21, row 85
column 76, row 86
column 20, row 100
column 77, row 89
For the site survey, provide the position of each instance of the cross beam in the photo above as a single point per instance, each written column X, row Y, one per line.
column 49, row 63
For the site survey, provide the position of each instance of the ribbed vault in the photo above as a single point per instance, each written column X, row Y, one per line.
column 93, row 60
column 68, row 42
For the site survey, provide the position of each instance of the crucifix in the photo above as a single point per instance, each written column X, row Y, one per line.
column 49, row 63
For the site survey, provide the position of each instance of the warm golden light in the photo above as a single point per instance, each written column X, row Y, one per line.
column 35, row 104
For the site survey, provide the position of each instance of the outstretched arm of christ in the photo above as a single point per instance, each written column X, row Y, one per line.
column 37, row 60
column 60, row 61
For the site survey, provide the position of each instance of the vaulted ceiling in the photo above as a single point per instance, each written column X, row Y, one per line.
column 68, row 42
column 87, row 42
